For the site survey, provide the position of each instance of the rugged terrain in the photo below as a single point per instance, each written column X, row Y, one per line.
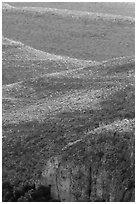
column 68, row 102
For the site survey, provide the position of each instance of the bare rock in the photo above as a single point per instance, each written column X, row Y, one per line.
column 98, row 168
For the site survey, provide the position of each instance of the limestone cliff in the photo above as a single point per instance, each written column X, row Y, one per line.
column 99, row 167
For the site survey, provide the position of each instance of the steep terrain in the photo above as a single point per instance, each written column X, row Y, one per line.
column 93, row 168
column 59, row 111
column 68, row 120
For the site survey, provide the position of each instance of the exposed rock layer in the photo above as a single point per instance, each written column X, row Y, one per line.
column 98, row 168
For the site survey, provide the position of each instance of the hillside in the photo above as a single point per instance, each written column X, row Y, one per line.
column 21, row 62
column 68, row 89
column 68, row 107
column 82, row 35
column 125, row 9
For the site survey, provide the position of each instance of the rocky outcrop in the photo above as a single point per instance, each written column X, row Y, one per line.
column 100, row 167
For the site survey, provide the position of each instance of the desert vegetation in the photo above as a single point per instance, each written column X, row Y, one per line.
column 81, row 38
column 26, row 193
column 68, row 107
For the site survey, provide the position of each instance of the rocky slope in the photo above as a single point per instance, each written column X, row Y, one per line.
column 21, row 62
column 99, row 167
column 68, row 120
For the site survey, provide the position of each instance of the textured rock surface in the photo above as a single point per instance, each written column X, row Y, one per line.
column 98, row 168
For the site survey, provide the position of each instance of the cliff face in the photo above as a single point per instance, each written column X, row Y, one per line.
column 100, row 167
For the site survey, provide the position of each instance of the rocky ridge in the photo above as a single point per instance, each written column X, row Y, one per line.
column 99, row 167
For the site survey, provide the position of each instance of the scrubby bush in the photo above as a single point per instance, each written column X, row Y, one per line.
column 7, row 191
column 26, row 193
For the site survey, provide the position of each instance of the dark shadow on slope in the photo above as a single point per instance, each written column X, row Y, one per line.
column 26, row 193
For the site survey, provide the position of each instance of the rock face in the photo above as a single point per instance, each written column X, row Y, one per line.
column 98, row 168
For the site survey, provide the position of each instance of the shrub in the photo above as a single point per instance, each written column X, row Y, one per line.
column 26, row 193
